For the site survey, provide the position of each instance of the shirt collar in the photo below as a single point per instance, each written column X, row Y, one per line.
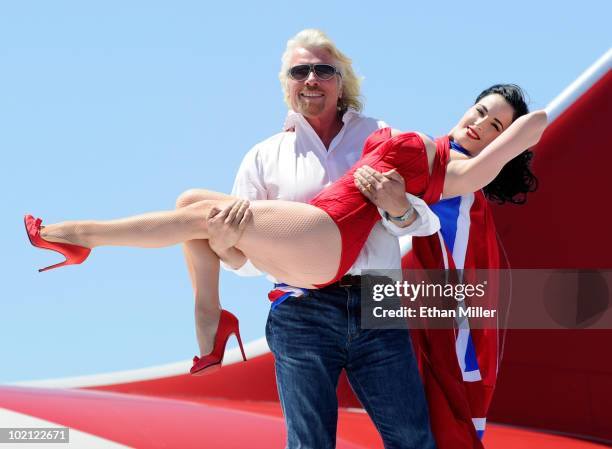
column 295, row 119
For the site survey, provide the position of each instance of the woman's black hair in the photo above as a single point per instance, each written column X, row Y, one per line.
column 515, row 180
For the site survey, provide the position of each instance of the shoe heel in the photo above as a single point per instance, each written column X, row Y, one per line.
column 237, row 333
column 74, row 254
column 57, row 265
column 228, row 325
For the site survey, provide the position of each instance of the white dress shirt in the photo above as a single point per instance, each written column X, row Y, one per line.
column 296, row 166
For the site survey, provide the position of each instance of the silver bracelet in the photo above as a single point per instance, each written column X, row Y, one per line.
column 403, row 218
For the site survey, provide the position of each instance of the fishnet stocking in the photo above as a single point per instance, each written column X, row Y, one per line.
column 296, row 243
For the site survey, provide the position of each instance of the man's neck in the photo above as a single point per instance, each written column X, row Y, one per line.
column 326, row 128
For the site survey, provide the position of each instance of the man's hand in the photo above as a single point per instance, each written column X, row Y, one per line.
column 225, row 227
column 386, row 190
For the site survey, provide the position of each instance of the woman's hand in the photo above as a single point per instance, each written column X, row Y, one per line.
column 225, row 227
column 386, row 190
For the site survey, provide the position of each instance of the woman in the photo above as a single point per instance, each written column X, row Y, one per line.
column 283, row 238
column 459, row 366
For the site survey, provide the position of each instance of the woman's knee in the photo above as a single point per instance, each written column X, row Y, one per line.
column 191, row 196
column 188, row 197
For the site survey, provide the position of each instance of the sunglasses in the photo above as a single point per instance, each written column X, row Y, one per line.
column 322, row 71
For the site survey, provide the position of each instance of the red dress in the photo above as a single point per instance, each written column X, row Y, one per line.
column 353, row 213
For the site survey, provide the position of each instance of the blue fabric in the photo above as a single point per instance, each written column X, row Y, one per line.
column 313, row 339
column 288, row 294
column 280, row 300
column 471, row 362
column 455, row 146
column 447, row 211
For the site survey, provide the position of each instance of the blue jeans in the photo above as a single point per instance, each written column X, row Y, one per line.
column 313, row 339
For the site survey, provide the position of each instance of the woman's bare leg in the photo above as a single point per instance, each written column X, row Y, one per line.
column 151, row 230
column 283, row 238
column 192, row 247
column 162, row 229
column 204, row 264
column 203, row 267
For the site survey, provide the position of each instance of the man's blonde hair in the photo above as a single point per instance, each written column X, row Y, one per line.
column 312, row 38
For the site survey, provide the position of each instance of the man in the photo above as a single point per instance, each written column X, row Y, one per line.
column 314, row 337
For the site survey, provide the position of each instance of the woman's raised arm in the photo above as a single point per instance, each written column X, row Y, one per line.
column 467, row 176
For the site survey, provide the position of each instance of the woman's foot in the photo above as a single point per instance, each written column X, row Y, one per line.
column 227, row 325
column 74, row 254
column 61, row 233
column 207, row 322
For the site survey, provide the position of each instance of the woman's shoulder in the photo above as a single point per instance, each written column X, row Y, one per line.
column 427, row 141
column 412, row 138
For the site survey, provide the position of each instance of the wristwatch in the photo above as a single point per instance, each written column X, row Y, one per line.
column 407, row 216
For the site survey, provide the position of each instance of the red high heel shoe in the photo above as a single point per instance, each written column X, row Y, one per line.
column 228, row 325
column 74, row 254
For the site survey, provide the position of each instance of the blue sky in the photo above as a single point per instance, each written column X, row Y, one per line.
column 114, row 108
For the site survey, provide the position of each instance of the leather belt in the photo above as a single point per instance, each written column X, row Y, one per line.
column 348, row 280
